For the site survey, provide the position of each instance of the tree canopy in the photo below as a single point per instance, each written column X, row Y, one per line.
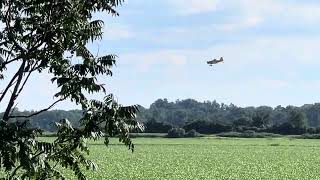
column 206, row 117
column 51, row 36
column 212, row 117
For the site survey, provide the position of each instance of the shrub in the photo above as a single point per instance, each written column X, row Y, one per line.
column 153, row 126
column 192, row 133
column 312, row 130
column 287, row 129
column 207, row 127
column 148, row 135
column 176, row 133
column 249, row 134
column 309, row 136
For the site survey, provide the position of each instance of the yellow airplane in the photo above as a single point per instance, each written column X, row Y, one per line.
column 215, row 61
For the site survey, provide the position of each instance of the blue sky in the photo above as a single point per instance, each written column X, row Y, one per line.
column 271, row 50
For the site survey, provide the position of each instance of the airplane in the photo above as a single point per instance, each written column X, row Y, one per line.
column 215, row 61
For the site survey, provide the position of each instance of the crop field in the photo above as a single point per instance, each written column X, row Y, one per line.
column 208, row 158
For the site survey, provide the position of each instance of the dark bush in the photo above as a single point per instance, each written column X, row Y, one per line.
column 255, row 129
column 192, row 133
column 287, row 129
column 309, row 136
column 244, row 121
column 176, row 133
column 249, row 132
column 312, row 130
column 248, row 135
column 153, row 126
column 239, row 129
column 148, row 135
column 207, row 127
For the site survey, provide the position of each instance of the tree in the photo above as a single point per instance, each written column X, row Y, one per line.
column 297, row 119
column 312, row 112
column 244, row 121
column 47, row 37
column 207, row 127
column 279, row 115
column 152, row 126
column 176, row 133
column 261, row 120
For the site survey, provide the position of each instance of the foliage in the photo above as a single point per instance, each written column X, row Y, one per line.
column 207, row 127
column 243, row 121
column 310, row 136
column 176, row 133
column 297, row 119
column 247, row 134
column 192, row 133
column 50, row 36
column 286, row 129
column 205, row 117
column 211, row 117
column 47, row 119
column 153, row 126
column 148, row 135
column 261, row 119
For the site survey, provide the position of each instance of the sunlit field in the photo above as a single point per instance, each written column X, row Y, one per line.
column 208, row 158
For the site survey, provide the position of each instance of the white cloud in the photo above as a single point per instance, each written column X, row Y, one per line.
column 189, row 7
column 284, row 11
column 249, row 13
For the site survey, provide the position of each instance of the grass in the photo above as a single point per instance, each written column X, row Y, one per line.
column 208, row 158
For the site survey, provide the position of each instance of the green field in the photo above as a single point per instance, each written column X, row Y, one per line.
column 208, row 158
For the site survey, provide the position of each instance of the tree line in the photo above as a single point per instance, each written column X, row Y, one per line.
column 207, row 117
column 211, row 117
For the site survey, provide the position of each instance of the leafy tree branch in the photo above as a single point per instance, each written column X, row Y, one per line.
column 36, row 38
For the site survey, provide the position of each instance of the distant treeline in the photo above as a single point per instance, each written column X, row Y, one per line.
column 210, row 117
column 207, row 117
column 46, row 120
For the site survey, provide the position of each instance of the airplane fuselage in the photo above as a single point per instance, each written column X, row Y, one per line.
column 214, row 61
